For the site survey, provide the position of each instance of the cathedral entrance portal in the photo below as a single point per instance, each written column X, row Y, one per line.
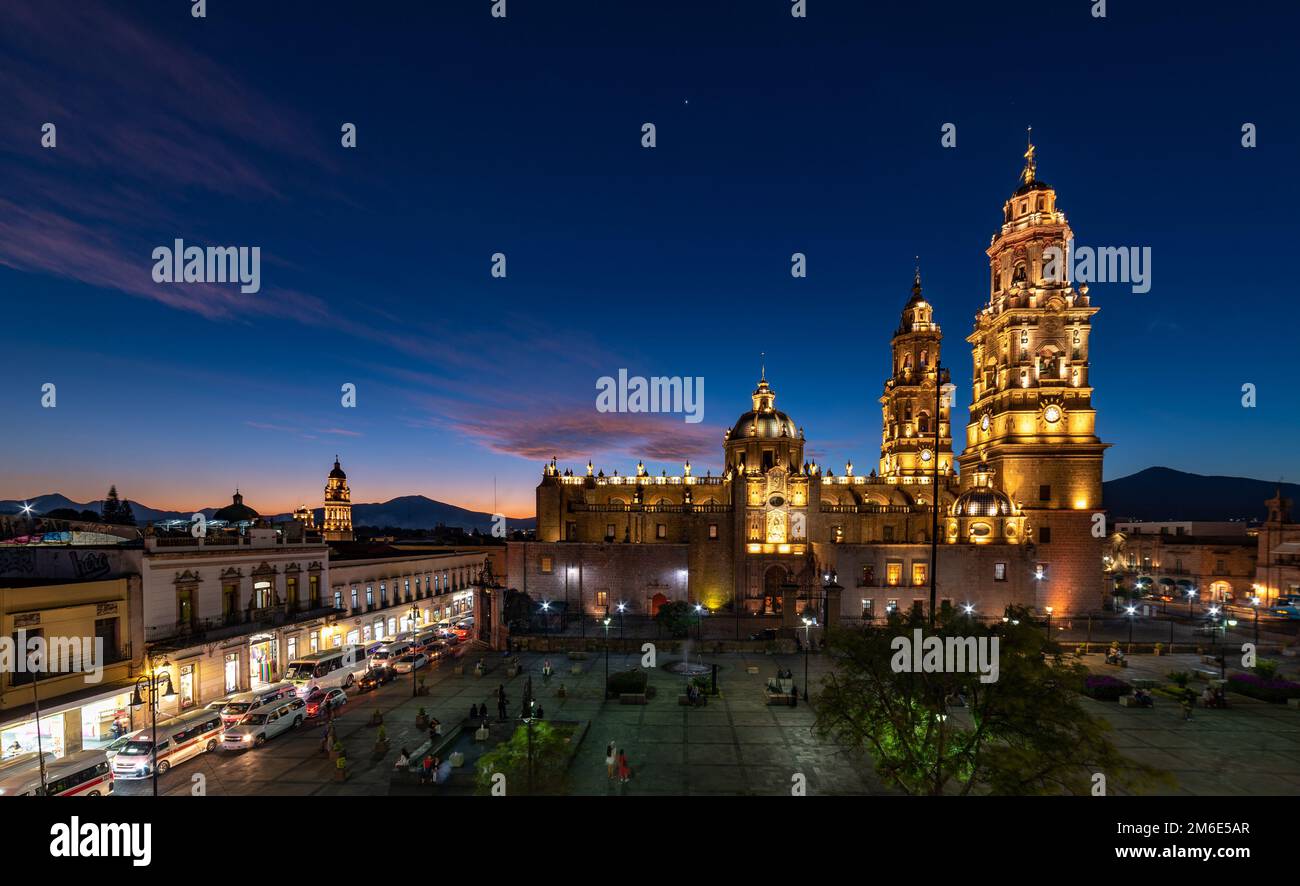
column 772, row 581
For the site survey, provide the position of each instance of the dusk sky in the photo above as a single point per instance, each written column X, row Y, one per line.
column 478, row 135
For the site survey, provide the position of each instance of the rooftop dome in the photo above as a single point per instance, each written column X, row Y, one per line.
column 764, row 420
column 982, row 501
column 236, row 511
column 337, row 473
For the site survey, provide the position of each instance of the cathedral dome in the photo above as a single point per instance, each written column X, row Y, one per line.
column 764, row 420
column 337, row 473
column 236, row 511
column 982, row 501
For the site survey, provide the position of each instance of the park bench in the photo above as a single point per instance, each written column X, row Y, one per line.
column 781, row 698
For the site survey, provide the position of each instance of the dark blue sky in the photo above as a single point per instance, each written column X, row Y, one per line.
column 478, row 135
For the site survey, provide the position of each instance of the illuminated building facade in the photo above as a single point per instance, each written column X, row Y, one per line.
column 338, row 506
column 1015, row 528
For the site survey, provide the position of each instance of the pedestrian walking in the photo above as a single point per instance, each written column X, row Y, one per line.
column 473, row 712
column 501, row 708
column 624, row 770
column 611, row 759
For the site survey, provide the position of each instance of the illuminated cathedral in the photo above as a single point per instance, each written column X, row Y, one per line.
column 1015, row 522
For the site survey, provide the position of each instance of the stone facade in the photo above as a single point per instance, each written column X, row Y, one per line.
column 1019, row 526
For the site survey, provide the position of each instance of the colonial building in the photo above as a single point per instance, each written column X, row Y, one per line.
column 1015, row 527
column 1207, row 561
column 338, row 505
column 1278, row 569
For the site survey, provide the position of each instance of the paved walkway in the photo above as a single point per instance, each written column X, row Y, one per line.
column 1251, row 748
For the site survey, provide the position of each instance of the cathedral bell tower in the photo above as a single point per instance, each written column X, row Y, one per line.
column 907, row 445
column 1031, row 417
column 338, row 505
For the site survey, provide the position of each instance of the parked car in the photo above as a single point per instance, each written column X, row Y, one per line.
column 267, row 722
column 410, row 662
column 374, row 678
column 323, row 700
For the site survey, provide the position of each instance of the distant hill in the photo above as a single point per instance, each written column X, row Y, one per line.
column 1166, row 494
column 419, row 512
column 406, row 512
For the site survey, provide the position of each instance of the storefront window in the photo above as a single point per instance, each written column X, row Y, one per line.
column 232, row 672
column 313, row 641
column 186, row 687
column 21, row 738
column 263, row 660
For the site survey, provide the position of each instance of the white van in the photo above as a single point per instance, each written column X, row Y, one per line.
column 325, row 670
column 179, row 738
column 389, row 654
column 245, row 703
column 267, row 722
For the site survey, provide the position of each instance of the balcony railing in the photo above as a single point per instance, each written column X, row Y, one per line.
column 236, row 623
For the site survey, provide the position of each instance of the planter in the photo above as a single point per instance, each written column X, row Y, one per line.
column 380, row 750
column 340, row 775
column 376, row 719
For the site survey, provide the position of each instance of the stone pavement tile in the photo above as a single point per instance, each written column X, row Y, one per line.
column 1175, row 737
column 708, row 717
column 713, row 754
column 757, row 718
column 771, row 781
column 659, row 755
column 767, row 755
column 663, row 718
column 710, row 734
column 1126, row 738
column 661, row 733
column 716, row 779
column 760, row 735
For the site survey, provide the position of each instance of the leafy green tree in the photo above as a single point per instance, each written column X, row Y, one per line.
column 125, row 516
column 676, row 618
column 549, row 756
column 1025, row 733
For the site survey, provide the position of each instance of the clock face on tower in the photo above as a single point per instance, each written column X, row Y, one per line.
column 925, row 455
column 984, row 422
column 1052, row 414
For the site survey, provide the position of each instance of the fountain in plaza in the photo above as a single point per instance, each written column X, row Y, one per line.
column 684, row 667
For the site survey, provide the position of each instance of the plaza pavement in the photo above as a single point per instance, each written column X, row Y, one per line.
column 736, row 744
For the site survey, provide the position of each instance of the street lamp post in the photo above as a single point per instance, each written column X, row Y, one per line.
column 415, row 612
column 807, row 627
column 150, row 680
column 1132, row 611
column 622, row 606
column 1254, row 603
column 1190, row 595
column 606, row 624
column 699, row 623
column 1049, row 622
